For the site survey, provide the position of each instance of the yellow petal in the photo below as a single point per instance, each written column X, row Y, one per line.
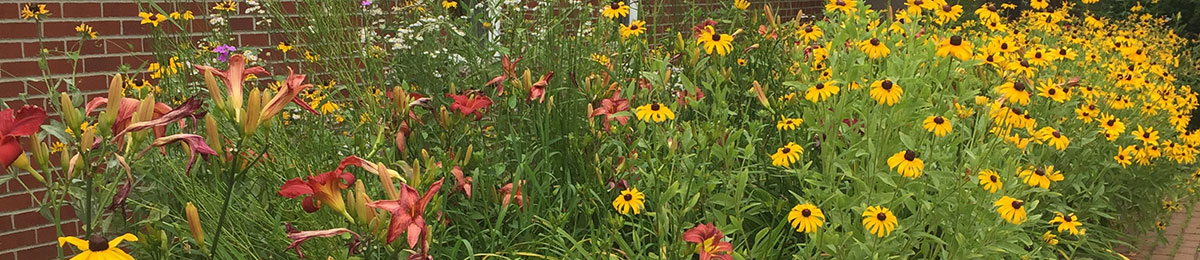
column 81, row 244
column 116, row 241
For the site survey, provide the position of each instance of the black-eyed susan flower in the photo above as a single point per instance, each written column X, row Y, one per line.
column 1052, row 91
column 615, row 10
column 711, row 40
column 987, row 12
column 741, row 4
column 1039, row 4
column 963, row 111
column 907, row 164
column 1111, row 124
column 947, row 13
column 874, row 48
column 1010, row 209
column 810, row 33
column 1050, row 238
column 806, row 218
column 1037, row 57
column 956, row 46
column 990, row 181
column 1015, row 92
column 655, row 111
column 227, row 5
column 630, row 200
column 1066, row 222
column 284, row 47
column 1002, row 45
column 879, row 221
column 844, row 6
column 1021, row 66
column 821, row 91
column 34, row 11
column 1157, row 224
column 886, row 92
column 741, row 62
column 86, row 31
column 451, row 4
column 634, row 28
column 786, row 123
column 1147, row 135
column 1124, row 156
column 786, row 155
column 1040, row 177
column 1065, row 53
column 937, row 125
column 1054, row 138
column 152, row 19
column 98, row 248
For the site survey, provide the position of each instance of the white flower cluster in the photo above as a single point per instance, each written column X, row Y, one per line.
column 257, row 8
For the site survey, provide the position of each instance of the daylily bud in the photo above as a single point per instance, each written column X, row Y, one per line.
column 22, row 163
column 667, row 79
column 41, row 152
column 212, row 134
column 214, row 91
column 527, row 81
column 364, row 213
column 253, row 110
column 770, row 15
column 761, row 94
column 87, row 139
column 415, row 178
column 679, row 43
column 193, row 217
column 70, row 114
column 467, row 157
column 115, row 94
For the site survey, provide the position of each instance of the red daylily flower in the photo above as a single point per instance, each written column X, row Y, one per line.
column 125, row 113
column 709, row 244
column 462, row 183
column 235, row 76
column 298, row 237
column 609, row 107
column 701, row 27
column 681, row 96
column 194, row 142
column 292, row 86
column 185, row 110
column 408, row 212
column 470, row 104
column 14, row 124
column 508, row 194
column 538, row 89
column 510, row 70
column 326, row 188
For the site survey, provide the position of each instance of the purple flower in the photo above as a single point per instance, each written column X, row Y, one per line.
column 366, row 2
column 224, row 50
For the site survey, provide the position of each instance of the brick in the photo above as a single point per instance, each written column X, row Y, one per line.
column 19, row 239
column 11, row 50
column 18, row 30
column 121, row 46
column 127, row 9
column 29, row 219
column 99, row 64
column 241, row 24
column 87, row 47
column 136, row 28
column 5, row 221
column 8, row 256
column 32, row 48
column 13, row 202
column 136, row 61
column 41, row 251
column 10, row 11
column 93, row 82
column 80, row 10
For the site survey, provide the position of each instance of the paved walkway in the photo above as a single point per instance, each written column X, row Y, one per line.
column 1183, row 239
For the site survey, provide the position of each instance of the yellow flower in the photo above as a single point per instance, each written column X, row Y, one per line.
column 955, row 45
column 1135, row 8
column 741, row 4
column 821, row 91
column 98, row 248
column 806, row 218
column 786, row 155
column 938, row 125
column 228, row 6
column 1066, row 222
column 1054, row 138
column 1111, row 124
column 630, row 199
column 987, row 12
column 152, row 19
column 634, row 28
column 990, row 181
column 615, row 10
column 187, row 15
column 284, row 47
column 600, row 58
column 907, row 164
column 879, row 220
column 786, row 123
column 948, row 13
column 655, row 111
column 1147, row 135
column 448, row 4
column 810, row 33
column 1053, row 92
column 1010, row 209
column 1015, row 92
column 1040, row 177
column 1039, row 4
column 86, row 30
column 1124, row 156
column 885, row 92
column 874, row 48
column 711, row 40
column 844, row 6
column 1049, row 238
column 311, row 57
column 34, row 11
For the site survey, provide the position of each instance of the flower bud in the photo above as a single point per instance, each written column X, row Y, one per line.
column 253, row 111
column 214, row 91
column 41, row 152
column 22, row 163
column 115, row 93
column 467, row 156
column 70, row 114
column 87, row 139
column 193, row 218
column 211, row 132
column 364, row 213
column 526, row 80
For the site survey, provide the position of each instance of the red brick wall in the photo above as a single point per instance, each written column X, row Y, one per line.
column 24, row 233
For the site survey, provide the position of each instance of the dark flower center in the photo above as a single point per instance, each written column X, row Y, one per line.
column 886, row 85
column 1004, row 46
column 97, row 243
column 805, row 213
column 956, row 40
column 1146, row 135
column 1067, row 218
column 946, row 8
column 840, row 3
column 1040, row 172
column 1056, row 134
column 628, row 197
column 633, row 27
column 808, row 29
column 1139, row 52
column 1016, row 111
column 1018, row 86
column 1091, row 107
column 1062, row 52
column 137, row 82
column 909, row 155
column 786, row 150
column 1016, row 204
column 654, row 107
column 1037, row 55
column 990, row 59
column 991, row 8
column 788, row 122
column 938, row 120
column 820, row 86
column 1052, row 91
column 716, row 37
column 993, row 178
column 613, row 6
column 918, row 2
column 1112, row 122
column 875, row 41
column 881, row 216
column 1024, row 63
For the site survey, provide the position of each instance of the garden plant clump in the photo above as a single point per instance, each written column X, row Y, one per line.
column 574, row 130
